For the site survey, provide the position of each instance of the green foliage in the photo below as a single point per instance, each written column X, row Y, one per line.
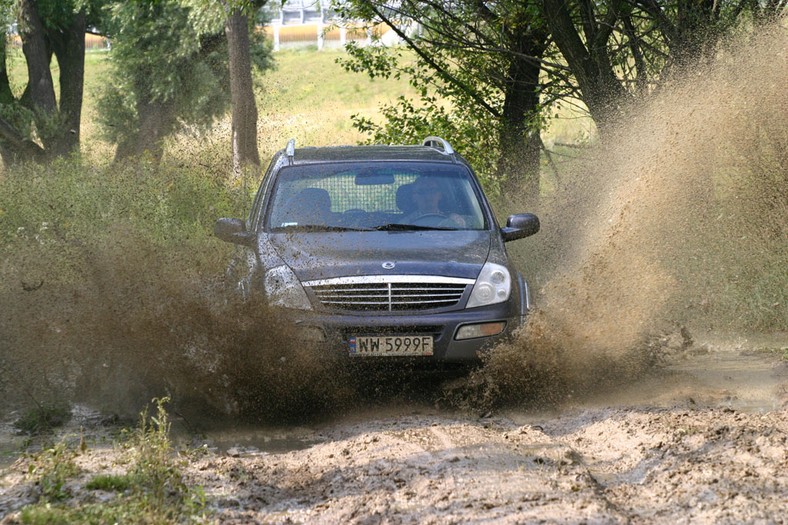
column 171, row 53
column 153, row 491
column 18, row 116
column 209, row 16
column 43, row 417
column 407, row 123
column 157, row 477
column 110, row 483
column 57, row 14
column 51, row 469
column 472, row 68
column 7, row 8
column 471, row 130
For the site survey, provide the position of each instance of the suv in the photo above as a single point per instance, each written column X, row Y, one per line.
column 385, row 251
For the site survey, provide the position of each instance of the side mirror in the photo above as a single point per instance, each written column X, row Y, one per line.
column 234, row 231
column 519, row 226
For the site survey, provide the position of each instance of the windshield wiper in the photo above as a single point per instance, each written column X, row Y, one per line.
column 397, row 227
column 319, row 228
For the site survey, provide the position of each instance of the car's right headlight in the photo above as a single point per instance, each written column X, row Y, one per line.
column 283, row 288
column 493, row 285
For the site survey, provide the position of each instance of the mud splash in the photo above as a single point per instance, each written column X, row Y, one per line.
column 676, row 223
column 135, row 322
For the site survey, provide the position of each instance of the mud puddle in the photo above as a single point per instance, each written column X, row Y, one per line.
column 741, row 376
column 252, row 440
column 741, row 380
column 243, row 440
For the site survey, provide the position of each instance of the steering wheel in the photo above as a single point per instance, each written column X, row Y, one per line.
column 353, row 217
column 429, row 219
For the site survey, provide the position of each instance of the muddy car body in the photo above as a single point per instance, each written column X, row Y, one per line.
column 338, row 237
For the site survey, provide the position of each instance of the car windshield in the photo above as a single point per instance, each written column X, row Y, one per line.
column 375, row 196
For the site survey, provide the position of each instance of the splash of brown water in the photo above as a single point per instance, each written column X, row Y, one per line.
column 137, row 322
column 677, row 218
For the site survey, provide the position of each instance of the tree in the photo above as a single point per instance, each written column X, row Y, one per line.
column 616, row 49
column 169, row 70
column 484, row 58
column 39, row 125
column 500, row 64
column 163, row 69
column 244, row 125
column 587, row 56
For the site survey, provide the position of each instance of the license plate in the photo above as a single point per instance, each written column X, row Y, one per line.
column 394, row 346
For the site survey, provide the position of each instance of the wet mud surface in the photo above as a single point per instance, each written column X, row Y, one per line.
column 701, row 439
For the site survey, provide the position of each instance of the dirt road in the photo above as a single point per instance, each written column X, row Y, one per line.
column 702, row 440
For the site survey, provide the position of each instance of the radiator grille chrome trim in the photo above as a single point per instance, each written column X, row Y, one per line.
column 389, row 292
column 366, row 279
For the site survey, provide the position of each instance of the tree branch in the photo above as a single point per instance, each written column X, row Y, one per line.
column 440, row 70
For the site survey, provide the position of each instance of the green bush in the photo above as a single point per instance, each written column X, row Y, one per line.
column 43, row 417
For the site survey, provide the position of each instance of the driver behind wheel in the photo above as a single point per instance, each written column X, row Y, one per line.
column 426, row 195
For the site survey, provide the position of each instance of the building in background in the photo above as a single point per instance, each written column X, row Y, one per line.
column 303, row 23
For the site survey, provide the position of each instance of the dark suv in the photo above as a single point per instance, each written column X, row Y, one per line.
column 383, row 251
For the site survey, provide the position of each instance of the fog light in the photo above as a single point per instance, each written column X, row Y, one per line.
column 472, row 331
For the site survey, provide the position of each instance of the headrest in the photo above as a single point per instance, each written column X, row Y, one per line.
column 405, row 198
column 313, row 197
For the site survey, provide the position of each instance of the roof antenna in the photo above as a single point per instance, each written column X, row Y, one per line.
column 290, row 150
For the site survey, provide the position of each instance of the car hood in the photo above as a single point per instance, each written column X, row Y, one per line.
column 322, row 255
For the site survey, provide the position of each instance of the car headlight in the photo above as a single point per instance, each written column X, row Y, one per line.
column 283, row 288
column 492, row 286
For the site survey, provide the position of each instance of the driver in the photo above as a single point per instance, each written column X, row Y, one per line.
column 427, row 195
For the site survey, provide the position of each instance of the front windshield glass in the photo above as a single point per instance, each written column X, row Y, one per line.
column 375, row 196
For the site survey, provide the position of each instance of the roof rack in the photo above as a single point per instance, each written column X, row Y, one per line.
column 433, row 142
column 290, row 150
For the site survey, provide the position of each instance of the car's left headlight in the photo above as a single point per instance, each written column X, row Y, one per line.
column 492, row 286
column 283, row 288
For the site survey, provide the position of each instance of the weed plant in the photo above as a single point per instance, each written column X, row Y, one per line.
column 51, row 469
column 152, row 491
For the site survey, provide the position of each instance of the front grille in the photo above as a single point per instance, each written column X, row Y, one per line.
column 389, row 293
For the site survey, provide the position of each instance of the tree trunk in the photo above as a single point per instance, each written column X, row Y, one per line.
column 6, row 95
column 69, row 48
column 244, row 125
column 56, row 128
column 40, row 92
column 519, row 140
column 14, row 147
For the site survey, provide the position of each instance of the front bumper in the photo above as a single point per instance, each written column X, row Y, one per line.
column 337, row 329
